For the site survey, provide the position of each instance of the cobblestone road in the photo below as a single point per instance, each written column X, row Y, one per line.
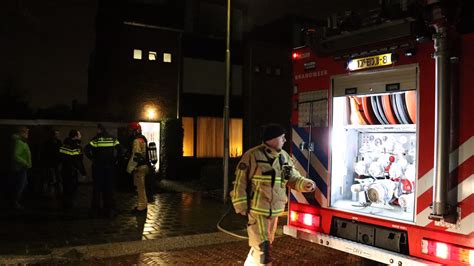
column 286, row 251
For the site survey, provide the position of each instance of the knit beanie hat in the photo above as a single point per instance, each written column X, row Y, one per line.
column 272, row 131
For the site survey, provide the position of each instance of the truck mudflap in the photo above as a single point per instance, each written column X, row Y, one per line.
column 358, row 249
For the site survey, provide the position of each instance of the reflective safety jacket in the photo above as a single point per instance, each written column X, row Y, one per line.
column 139, row 155
column 72, row 158
column 103, row 149
column 260, row 182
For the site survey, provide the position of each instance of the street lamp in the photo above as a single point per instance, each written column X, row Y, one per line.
column 151, row 113
column 226, row 104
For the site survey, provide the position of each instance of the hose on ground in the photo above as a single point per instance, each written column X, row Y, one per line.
column 220, row 228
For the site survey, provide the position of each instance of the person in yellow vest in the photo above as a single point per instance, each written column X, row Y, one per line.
column 259, row 192
column 138, row 166
column 21, row 162
column 72, row 167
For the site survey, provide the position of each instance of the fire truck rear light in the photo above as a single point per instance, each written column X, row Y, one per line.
column 295, row 56
column 467, row 256
column 453, row 253
column 308, row 219
column 293, row 216
column 442, row 250
column 305, row 220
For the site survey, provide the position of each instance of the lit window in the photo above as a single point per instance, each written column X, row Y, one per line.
column 137, row 54
column 152, row 56
column 235, row 137
column 188, row 136
column 167, row 57
column 210, row 137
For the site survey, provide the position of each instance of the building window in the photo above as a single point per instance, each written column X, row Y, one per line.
column 277, row 71
column 188, row 136
column 268, row 70
column 151, row 56
column 236, row 129
column 137, row 54
column 210, row 137
column 167, row 57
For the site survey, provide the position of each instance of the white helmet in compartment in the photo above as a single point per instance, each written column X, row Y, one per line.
column 360, row 167
column 376, row 169
column 410, row 172
column 395, row 171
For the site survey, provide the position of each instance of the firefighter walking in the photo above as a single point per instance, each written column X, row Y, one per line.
column 72, row 167
column 259, row 192
column 103, row 150
column 138, row 166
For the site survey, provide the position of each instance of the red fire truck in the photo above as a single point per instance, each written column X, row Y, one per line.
column 383, row 123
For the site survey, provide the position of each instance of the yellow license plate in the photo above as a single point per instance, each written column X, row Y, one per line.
column 370, row 62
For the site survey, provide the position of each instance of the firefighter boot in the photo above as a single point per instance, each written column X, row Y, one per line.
column 260, row 255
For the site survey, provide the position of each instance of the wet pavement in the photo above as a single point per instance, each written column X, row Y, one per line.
column 179, row 228
column 43, row 225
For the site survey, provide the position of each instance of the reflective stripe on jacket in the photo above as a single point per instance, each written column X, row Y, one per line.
column 72, row 158
column 104, row 142
column 103, row 149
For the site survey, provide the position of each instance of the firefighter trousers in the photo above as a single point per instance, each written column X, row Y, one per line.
column 139, row 181
column 261, row 230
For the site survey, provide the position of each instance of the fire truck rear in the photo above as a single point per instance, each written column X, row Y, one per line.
column 382, row 121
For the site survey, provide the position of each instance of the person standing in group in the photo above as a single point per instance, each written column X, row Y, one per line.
column 259, row 192
column 138, row 166
column 21, row 162
column 51, row 183
column 72, row 167
column 103, row 150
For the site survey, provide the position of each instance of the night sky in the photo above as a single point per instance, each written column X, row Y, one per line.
column 46, row 45
column 45, row 49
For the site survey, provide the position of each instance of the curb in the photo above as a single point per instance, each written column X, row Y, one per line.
column 61, row 255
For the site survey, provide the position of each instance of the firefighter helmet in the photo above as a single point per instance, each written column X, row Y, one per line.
column 135, row 126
